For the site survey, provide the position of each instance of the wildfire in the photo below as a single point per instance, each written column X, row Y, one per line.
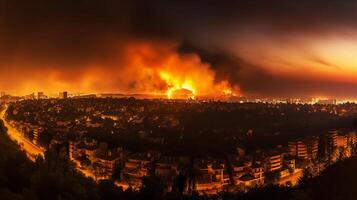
column 175, row 85
column 150, row 68
column 227, row 91
column 178, row 76
column 184, row 87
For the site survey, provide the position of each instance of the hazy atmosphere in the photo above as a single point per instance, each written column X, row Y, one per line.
column 268, row 48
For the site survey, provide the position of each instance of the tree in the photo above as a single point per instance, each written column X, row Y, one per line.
column 272, row 177
column 107, row 190
column 152, row 188
column 116, row 173
column 180, row 183
column 322, row 147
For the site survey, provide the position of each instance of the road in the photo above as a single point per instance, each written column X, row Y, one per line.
column 32, row 150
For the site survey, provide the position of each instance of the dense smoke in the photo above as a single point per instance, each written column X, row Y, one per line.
column 271, row 48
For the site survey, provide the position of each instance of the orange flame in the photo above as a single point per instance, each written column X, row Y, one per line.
column 175, row 75
column 153, row 68
column 175, row 84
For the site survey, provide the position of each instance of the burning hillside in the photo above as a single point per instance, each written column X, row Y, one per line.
column 161, row 70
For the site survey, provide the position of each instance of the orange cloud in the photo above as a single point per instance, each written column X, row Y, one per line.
column 138, row 67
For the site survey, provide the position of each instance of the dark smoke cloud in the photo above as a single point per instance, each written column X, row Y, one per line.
column 69, row 35
column 256, row 81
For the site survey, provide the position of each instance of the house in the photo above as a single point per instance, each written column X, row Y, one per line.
column 106, row 162
column 273, row 161
column 136, row 167
column 304, row 148
column 212, row 176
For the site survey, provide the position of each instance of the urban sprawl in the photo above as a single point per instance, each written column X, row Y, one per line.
column 211, row 146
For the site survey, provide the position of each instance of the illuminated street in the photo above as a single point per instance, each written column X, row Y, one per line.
column 31, row 150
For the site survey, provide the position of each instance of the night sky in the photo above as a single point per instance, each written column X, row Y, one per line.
column 256, row 47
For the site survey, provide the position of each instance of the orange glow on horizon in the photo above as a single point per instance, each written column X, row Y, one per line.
column 156, row 68
column 153, row 68
column 330, row 57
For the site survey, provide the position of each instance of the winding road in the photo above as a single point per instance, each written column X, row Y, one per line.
column 32, row 150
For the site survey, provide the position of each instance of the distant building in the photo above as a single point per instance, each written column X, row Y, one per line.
column 36, row 132
column 212, row 176
column 136, row 167
column 289, row 162
column 326, row 102
column 30, row 96
column 304, row 148
column 82, row 149
column 249, row 181
column 63, row 95
column 2, row 94
column 238, row 170
column 97, row 160
column 85, row 96
column 331, row 147
column 41, row 95
column 107, row 161
column 345, row 142
column 273, row 161
column 332, row 138
column 352, row 138
column 248, row 175
column 342, row 138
